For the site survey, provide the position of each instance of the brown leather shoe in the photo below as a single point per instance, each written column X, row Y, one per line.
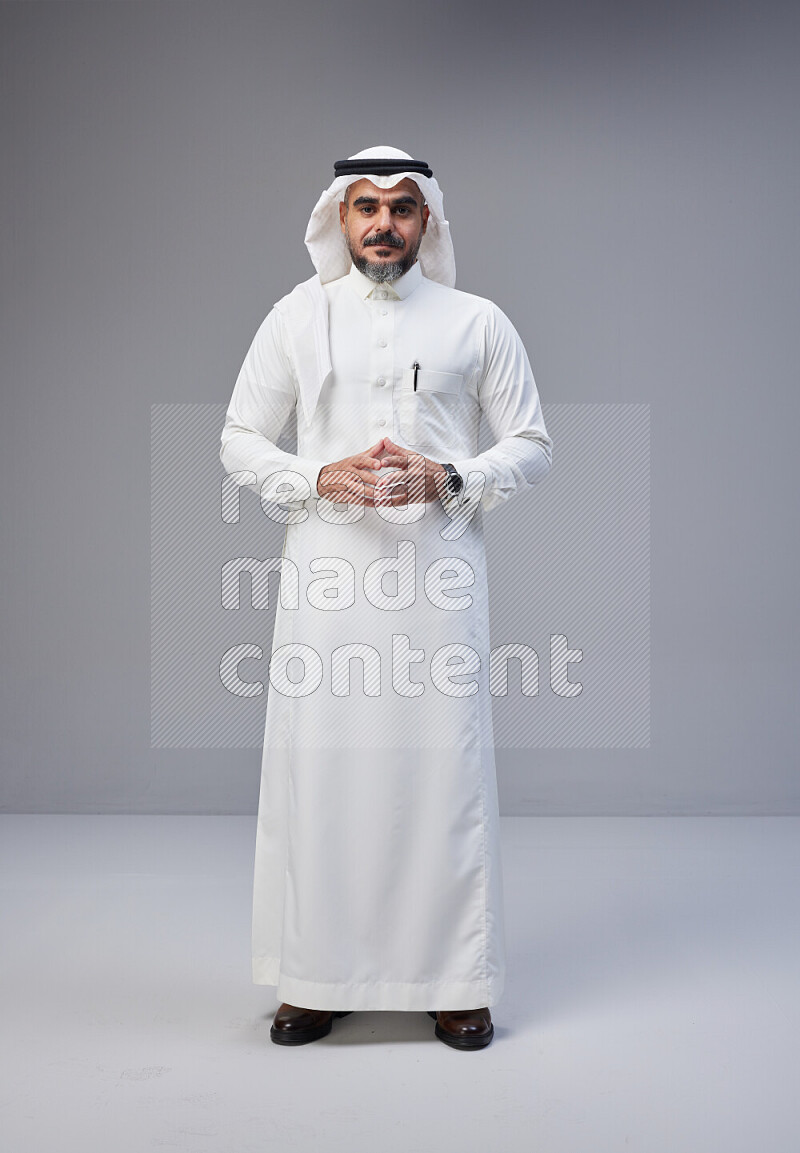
column 292, row 1025
column 464, row 1028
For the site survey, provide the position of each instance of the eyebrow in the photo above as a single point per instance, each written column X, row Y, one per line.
column 374, row 200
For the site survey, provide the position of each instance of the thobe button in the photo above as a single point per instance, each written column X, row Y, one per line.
column 381, row 295
column 381, row 422
column 381, row 381
column 382, row 343
column 384, row 312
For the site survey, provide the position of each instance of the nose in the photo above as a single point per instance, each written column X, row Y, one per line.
column 383, row 219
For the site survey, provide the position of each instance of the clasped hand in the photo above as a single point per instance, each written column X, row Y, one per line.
column 365, row 479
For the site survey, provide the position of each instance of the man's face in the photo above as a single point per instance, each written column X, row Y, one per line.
column 383, row 227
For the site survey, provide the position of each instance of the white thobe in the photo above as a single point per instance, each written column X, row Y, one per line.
column 378, row 880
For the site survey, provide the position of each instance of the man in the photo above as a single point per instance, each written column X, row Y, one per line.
column 378, row 876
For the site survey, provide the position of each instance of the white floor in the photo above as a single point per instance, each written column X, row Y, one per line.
column 653, row 1001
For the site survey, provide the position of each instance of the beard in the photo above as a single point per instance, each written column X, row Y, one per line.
column 385, row 271
column 382, row 273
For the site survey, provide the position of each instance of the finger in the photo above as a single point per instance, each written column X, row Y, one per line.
column 344, row 486
column 354, row 499
column 387, row 489
column 400, row 497
column 402, row 492
column 367, row 476
column 395, row 456
column 375, row 450
column 345, row 475
column 358, row 485
column 364, row 460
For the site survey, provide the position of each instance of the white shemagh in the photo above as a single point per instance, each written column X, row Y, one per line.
column 306, row 307
column 325, row 241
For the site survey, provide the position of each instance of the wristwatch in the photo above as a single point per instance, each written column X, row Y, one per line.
column 454, row 481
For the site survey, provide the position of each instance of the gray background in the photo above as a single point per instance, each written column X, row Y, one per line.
column 622, row 180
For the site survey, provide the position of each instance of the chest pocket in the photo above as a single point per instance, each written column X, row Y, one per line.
column 426, row 417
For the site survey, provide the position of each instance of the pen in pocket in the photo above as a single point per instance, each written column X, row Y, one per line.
column 415, row 366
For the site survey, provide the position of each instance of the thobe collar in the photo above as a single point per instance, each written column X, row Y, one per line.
column 395, row 289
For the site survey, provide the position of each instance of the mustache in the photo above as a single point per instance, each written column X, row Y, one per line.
column 384, row 240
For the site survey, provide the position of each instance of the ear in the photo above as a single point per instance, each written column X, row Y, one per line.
column 342, row 214
column 425, row 214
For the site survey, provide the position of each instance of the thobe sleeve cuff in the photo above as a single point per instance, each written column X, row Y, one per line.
column 310, row 470
column 509, row 467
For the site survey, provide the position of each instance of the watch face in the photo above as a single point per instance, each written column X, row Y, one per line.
column 455, row 482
